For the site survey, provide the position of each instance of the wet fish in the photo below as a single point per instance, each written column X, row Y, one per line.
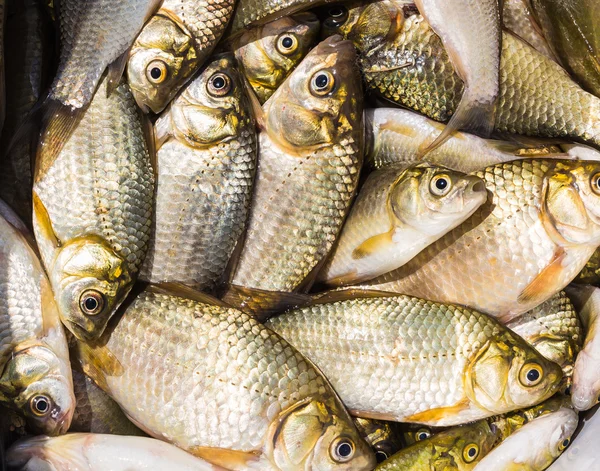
column 459, row 448
column 29, row 33
column 413, row 433
column 571, row 28
column 93, row 209
column 35, row 374
column 398, row 212
column 541, row 216
column 470, row 31
column 585, row 392
column 410, row 360
column 535, row 446
column 245, row 399
column 268, row 54
column 382, row 436
column 171, row 48
column 518, row 18
column 404, row 61
column 308, row 167
column 87, row 451
column 206, row 167
column 590, row 274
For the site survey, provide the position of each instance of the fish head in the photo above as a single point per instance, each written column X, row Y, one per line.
column 560, row 432
column 51, row 454
column 462, row 447
column 416, row 433
column 90, row 281
column 316, row 434
column 435, row 199
column 37, row 383
column 380, row 435
column 161, row 60
column 320, row 101
column 269, row 53
column 212, row 107
column 507, row 374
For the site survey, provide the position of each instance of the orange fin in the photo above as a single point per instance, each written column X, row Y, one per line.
column 183, row 291
column 542, row 286
column 373, row 245
column 233, row 460
column 398, row 128
column 44, row 223
column 98, row 362
column 432, row 416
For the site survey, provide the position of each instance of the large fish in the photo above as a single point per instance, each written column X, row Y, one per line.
column 517, row 17
column 218, row 384
column 93, row 211
column 541, row 216
column 206, row 165
column 398, row 212
column 35, row 374
column 172, row 47
column 410, row 360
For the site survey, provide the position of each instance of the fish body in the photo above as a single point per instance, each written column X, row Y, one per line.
column 35, row 374
column 92, row 211
column 86, row 451
column 410, row 360
column 206, row 168
column 171, row 48
column 540, row 216
column 382, row 436
column 267, row 54
column 244, row 398
column 534, row 446
column 517, row 17
column 397, row 213
column 308, row 167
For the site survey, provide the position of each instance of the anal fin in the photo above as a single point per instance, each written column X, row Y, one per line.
column 373, row 245
column 233, row 460
column 98, row 362
column 542, row 286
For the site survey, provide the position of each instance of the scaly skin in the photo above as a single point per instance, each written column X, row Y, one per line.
column 256, row 12
column 518, row 18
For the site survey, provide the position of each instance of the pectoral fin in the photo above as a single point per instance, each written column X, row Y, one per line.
column 229, row 459
column 373, row 245
column 433, row 416
column 40, row 214
column 115, row 72
column 543, row 285
column 98, row 362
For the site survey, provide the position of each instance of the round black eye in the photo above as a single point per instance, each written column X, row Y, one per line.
column 40, row 405
column 566, row 442
column 472, row 452
column 287, row 42
column 441, row 184
column 321, row 81
column 219, row 84
column 155, row 73
column 533, row 375
column 423, row 436
column 595, row 182
column 381, row 456
column 91, row 302
column 342, row 450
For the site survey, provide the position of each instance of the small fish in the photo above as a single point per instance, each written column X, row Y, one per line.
column 382, row 436
column 590, row 274
column 410, row 360
column 541, row 216
column 534, row 446
column 459, row 448
column 268, row 54
column 93, row 211
column 398, row 212
column 89, row 451
column 206, row 166
column 171, row 48
column 518, row 18
column 470, row 31
column 35, row 374
column 413, row 433
column 224, row 387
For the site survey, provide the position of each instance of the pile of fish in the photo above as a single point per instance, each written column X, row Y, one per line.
column 299, row 234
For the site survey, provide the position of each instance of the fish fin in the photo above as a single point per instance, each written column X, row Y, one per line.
column 432, row 416
column 98, row 362
column 350, row 278
column 257, row 109
column 542, row 286
column 148, row 129
column 373, row 415
column 153, row 8
column 262, row 304
column 183, row 291
column 232, row 265
column 233, row 460
column 345, row 295
column 398, row 128
column 115, row 72
column 40, row 213
column 373, row 245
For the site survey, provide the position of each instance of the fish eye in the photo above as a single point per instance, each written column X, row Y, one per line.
column 337, row 15
column 531, row 374
column 564, row 444
column 423, row 434
column 219, row 84
column 40, row 405
column 342, row 450
column 322, row 83
column 91, row 302
column 595, row 183
column 157, row 72
column 287, row 44
column 470, row 452
column 381, row 456
column 440, row 185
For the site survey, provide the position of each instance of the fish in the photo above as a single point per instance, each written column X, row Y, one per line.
column 268, row 54
column 206, row 168
column 406, row 359
column 585, row 391
column 35, row 374
column 413, row 433
column 535, row 446
column 29, row 33
column 93, row 211
column 553, row 329
column 470, row 31
column 380, row 435
column 590, row 274
column 404, row 61
column 171, row 48
column 245, row 399
column 459, row 448
column 541, row 216
column 399, row 210
column 518, row 18
column 308, row 169
column 96, row 412
column 571, row 29
column 100, row 452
